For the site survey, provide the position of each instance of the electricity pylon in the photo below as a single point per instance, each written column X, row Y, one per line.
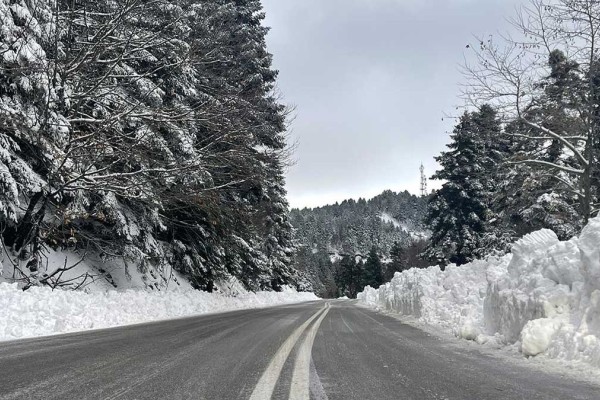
column 423, row 181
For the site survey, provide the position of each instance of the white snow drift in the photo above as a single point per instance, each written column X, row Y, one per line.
column 112, row 292
column 42, row 311
column 543, row 297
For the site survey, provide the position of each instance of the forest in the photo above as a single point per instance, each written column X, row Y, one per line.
column 524, row 156
column 345, row 246
column 150, row 132
column 154, row 133
column 524, row 151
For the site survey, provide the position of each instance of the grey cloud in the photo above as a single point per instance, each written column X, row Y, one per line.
column 371, row 80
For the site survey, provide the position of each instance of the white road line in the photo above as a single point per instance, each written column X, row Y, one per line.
column 266, row 384
column 300, row 389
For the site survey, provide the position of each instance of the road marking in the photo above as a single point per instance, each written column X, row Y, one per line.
column 266, row 384
column 300, row 389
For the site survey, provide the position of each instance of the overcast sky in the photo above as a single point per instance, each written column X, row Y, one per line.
column 371, row 81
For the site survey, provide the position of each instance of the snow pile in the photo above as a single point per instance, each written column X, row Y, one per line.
column 41, row 311
column 451, row 298
column 544, row 297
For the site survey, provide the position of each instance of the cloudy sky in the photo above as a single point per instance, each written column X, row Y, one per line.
column 370, row 81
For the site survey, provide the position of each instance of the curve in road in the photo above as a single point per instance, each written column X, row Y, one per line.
column 311, row 350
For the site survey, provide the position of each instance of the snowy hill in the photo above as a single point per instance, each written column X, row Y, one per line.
column 352, row 227
column 414, row 233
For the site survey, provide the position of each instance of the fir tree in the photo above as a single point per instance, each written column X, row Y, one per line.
column 349, row 276
column 398, row 261
column 531, row 198
column 372, row 270
column 145, row 131
column 460, row 212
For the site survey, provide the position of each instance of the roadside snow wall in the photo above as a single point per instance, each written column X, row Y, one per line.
column 41, row 311
column 543, row 297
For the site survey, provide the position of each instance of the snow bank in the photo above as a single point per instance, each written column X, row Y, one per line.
column 40, row 311
column 544, row 297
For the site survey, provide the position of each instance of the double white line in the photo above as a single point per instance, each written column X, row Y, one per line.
column 301, row 375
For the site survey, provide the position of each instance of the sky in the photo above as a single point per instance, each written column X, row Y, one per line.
column 372, row 83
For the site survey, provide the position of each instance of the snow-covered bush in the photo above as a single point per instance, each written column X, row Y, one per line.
column 544, row 296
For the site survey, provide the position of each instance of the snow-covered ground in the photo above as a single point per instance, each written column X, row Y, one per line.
column 387, row 218
column 543, row 298
column 41, row 311
column 91, row 273
column 415, row 234
column 110, row 293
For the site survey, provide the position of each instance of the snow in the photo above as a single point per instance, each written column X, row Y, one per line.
column 90, row 272
column 388, row 219
column 543, row 298
column 41, row 311
column 537, row 335
column 334, row 256
column 113, row 292
column 415, row 234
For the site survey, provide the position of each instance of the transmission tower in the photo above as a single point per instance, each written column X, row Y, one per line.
column 423, row 181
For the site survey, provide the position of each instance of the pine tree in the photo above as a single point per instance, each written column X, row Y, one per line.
column 372, row 270
column 459, row 214
column 557, row 114
column 145, row 131
column 398, row 261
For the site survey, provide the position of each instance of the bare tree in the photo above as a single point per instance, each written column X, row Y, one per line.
column 509, row 72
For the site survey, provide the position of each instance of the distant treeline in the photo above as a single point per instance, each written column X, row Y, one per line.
column 334, row 240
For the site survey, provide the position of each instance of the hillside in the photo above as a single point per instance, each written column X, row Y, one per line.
column 145, row 135
column 327, row 233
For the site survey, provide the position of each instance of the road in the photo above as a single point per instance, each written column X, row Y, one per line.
column 261, row 354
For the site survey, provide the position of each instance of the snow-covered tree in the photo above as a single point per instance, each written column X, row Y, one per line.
column 372, row 269
column 146, row 131
column 544, row 77
column 532, row 197
column 460, row 213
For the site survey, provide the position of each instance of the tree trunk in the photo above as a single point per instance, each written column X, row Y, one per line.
column 28, row 229
column 13, row 235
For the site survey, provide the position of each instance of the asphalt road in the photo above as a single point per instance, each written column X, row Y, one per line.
column 318, row 350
